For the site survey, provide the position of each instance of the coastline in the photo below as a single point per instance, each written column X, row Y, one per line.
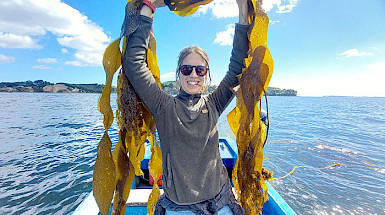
column 40, row 86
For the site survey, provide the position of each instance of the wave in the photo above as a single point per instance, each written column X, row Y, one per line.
column 343, row 150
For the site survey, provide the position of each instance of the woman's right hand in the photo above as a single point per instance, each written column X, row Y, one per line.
column 147, row 11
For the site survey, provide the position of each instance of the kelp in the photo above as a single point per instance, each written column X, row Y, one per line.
column 185, row 7
column 104, row 175
column 244, row 119
column 103, row 184
column 114, row 173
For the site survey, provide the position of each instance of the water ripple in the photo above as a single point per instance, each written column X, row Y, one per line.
column 49, row 149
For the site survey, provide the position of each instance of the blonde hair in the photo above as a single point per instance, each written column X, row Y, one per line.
column 198, row 50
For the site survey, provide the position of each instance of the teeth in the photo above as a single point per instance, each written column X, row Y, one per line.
column 192, row 82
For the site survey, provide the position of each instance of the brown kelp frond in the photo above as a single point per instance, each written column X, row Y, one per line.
column 244, row 119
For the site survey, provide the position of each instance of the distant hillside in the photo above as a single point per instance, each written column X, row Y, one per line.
column 275, row 91
column 44, row 86
column 171, row 88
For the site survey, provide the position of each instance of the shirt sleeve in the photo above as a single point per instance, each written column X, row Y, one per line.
column 222, row 96
column 136, row 69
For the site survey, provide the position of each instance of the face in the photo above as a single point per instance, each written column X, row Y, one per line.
column 192, row 83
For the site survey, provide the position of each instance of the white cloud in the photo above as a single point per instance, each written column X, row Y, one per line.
column 24, row 22
column 47, row 60
column 268, row 5
column 73, row 63
column 271, row 22
column 13, row 41
column 42, row 67
column 220, row 8
column 6, row 59
column 354, row 53
column 168, row 76
column 283, row 6
column 225, row 8
column 287, row 6
column 224, row 38
column 229, row 8
column 64, row 51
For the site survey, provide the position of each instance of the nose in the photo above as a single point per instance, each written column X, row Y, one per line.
column 194, row 72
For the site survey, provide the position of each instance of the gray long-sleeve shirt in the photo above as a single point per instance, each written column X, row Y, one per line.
column 187, row 124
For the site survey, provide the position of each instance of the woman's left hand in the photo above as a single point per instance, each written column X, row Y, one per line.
column 158, row 3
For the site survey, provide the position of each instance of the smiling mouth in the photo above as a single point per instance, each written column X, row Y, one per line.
column 193, row 82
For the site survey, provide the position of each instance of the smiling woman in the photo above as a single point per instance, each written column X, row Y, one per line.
column 194, row 178
column 187, row 124
column 193, row 70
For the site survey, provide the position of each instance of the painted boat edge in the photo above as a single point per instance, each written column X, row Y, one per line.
column 278, row 204
column 88, row 206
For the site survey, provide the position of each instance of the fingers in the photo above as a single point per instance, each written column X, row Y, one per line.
column 158, row 3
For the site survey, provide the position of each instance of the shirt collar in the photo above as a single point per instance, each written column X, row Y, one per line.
column 184, row 96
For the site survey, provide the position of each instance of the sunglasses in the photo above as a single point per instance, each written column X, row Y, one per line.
column 187, row 70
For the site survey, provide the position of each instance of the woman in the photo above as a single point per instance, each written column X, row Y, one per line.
column 195, row 180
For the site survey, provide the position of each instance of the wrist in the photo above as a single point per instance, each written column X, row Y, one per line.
column 146, row 11
column 150, row 5
column 243, row 21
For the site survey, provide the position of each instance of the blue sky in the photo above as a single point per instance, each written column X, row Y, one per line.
column 328, row 47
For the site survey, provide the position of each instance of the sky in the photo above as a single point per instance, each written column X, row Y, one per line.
column 320, row 48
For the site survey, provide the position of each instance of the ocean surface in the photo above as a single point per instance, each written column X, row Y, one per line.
column 48, row 149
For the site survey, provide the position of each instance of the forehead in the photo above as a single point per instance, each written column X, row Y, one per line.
column 193, row 59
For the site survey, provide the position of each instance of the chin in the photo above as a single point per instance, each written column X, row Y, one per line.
column 193, row 91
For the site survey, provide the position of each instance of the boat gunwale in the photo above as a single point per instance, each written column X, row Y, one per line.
column 89, row 206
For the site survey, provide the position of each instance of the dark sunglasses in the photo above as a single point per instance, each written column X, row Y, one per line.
column 187, row 70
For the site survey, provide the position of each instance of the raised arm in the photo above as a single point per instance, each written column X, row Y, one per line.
column 135, row 66
column 222, row 96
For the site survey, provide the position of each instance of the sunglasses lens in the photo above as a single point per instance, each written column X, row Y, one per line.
column 201, row 70
column 187, row 70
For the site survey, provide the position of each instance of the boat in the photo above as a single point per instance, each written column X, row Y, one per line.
column 141, row 188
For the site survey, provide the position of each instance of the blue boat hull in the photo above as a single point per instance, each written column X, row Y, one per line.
column 275, row 205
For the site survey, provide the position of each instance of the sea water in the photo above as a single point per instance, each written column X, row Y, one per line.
column 48, row 149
